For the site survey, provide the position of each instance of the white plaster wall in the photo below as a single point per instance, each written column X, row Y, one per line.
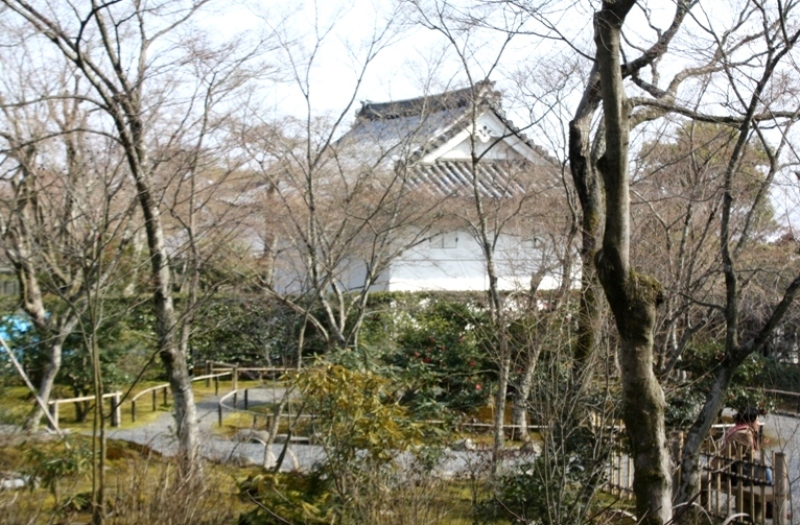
column 454, row 262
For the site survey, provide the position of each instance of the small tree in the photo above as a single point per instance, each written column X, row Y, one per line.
column 362, row 430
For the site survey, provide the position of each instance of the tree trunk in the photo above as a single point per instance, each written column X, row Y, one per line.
column 504, row 366
column 170, row 352
column 590, row 196
column 519, row 416
column 633, row 297
column 45, row 387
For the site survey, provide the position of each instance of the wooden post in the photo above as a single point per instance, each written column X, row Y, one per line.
column 216, row 385
column 729, row 487
column 208, row 373
column 716, row 479
column 739, row 482
column 133, row 411
column 165, row 395
column 781, row 489
column 116, row 413
column 246, row 404
column 155, row 398
column 235, row 377
column 234, row 398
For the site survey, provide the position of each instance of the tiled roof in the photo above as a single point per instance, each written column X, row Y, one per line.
column 456, row 178
column 390, row 134
column 459, row 99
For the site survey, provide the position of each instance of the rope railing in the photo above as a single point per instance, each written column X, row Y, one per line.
column 230, row 402
column 214, row 371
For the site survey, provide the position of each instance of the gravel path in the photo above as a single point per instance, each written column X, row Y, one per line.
column 159, row 436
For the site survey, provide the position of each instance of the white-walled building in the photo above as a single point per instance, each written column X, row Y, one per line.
column 446, row 152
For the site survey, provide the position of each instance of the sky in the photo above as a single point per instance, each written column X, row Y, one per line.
column 411, row 59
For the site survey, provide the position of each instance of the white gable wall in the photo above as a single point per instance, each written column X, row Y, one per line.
column 494, row 141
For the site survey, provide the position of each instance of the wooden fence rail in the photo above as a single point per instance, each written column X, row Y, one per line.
column 792, row 397
column 212, row 367
column 115, row 397
column 214, row 372
column 163, row 388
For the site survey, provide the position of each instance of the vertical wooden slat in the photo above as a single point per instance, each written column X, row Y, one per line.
column 717, row 479
column 728, row 488
column 763, row 488
column 781, row 489
column 739, row 484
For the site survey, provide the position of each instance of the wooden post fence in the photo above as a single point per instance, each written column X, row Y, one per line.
column 730, row 484
column 115, row 397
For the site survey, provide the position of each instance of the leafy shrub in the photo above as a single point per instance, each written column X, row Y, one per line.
column 777, row 375
column 52, row 466
column 286, row 498
column 440, row 358
column 245, row 329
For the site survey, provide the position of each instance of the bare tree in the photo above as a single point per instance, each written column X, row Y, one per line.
column 632, row 295
column 63, row 197
column 68, row 216
column 123, row 52
column 337, row 206
column 515, row 207
column 760, row 91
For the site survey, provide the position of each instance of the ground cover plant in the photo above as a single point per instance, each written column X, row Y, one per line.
column 143, row 487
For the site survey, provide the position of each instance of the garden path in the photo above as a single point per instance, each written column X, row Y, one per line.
column 159, row 435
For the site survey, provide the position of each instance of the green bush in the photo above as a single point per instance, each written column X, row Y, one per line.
column 440, row 358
